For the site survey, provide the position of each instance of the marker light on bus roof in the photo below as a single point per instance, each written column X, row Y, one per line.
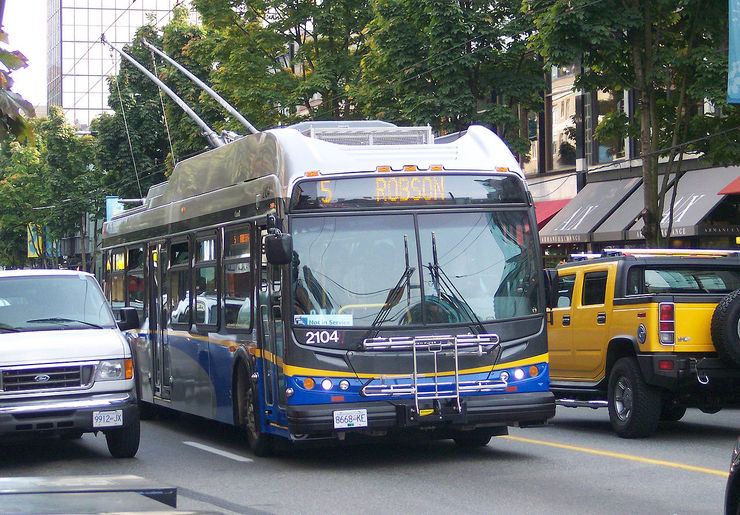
column 409, row 168
column 502, row 169
column 313, row 173
column 384, row 169
column 436, row 168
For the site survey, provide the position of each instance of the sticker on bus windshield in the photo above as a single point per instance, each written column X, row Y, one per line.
column 323, row 319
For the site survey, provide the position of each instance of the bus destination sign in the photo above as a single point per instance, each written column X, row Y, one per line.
column 383, row 191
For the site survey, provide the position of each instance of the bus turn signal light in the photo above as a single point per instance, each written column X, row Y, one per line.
column 309, row 383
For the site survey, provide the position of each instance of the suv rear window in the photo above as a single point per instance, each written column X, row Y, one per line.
column 682, row 280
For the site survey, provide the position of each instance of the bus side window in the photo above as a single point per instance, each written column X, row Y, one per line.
column 206, row 293
column 237, row 279
column 118, row 287
column 135, row 292
column 178, row 283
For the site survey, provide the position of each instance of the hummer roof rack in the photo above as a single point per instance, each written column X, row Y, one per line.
column 671, row 252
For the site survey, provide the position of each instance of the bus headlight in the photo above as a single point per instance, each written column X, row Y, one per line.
column 504, row 376
column 344, row 384
column 326, row 384
column 518, row 374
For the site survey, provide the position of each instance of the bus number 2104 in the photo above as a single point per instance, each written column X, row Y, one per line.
column 317, row 337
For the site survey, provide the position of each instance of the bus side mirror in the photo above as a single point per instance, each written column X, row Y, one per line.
column 279, row 248
column 128, row 318
column 551, row 287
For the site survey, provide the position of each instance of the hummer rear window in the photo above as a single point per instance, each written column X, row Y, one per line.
column 682, row 280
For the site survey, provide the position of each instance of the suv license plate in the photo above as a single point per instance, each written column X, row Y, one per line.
column 350, row 418
column 108, row 418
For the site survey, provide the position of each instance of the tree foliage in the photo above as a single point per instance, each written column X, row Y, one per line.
column 12, row 106
column 669, row 52
column 51, row 184
column 451, row 64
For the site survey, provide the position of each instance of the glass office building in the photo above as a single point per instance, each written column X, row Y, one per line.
column 78, row 63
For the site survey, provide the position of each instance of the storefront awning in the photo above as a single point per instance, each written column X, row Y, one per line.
column 624, row 217
column 547, row 209
column 696, row 197
column 731, row 189
column 593, row 204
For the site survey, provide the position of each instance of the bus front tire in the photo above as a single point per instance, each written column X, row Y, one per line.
column 473, row 438
column 634, row 407
column 260, row 443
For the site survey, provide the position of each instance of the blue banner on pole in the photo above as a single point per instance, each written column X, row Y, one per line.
column 112, row 207
column 733, row 62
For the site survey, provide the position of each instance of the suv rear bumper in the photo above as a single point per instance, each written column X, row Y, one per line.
column 680, row 371
column 64, row 414
column 529, row 408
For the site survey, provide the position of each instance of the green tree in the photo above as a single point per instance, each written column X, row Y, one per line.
column 669, row 52
column 12, row 105
column 324, row 42
column 21, row 181
column 52, row 184
column 451, row 64
column 132, row 142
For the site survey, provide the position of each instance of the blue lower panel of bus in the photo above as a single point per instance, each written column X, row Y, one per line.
column 502, row 409
column 503, row 397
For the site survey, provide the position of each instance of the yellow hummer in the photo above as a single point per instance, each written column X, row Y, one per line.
column 646, row 333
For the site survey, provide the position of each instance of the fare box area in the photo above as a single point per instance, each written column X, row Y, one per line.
column 86, row 494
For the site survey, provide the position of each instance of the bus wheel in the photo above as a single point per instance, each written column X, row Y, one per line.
column 634, row 407
column 474, row 438
column 259, row 442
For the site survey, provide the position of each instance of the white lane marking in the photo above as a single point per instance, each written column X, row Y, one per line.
column 213, row 450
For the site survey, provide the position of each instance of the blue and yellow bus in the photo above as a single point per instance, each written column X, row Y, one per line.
column 338, row 281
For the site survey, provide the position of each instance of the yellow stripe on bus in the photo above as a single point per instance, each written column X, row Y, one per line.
column 292, row 370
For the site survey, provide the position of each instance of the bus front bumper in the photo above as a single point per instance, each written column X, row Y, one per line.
column 515, row 409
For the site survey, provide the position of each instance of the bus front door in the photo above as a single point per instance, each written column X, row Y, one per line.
column 158, row 316
column 271, row 343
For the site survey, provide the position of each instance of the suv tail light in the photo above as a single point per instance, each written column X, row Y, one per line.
column 667, row 334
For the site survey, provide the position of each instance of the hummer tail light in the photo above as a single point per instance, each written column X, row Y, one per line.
column 667, row 333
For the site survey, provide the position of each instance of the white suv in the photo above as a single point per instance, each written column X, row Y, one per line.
column 65, row 367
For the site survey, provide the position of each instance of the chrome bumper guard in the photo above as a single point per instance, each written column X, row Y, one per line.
column 431, row 386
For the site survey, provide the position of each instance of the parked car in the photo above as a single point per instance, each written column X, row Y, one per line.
column 65, row 367
column 732, row 492
column 646, row 333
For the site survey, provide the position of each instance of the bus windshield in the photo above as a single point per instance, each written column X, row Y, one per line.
column 401, row 269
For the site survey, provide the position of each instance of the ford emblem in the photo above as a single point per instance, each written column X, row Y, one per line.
column 41, row 378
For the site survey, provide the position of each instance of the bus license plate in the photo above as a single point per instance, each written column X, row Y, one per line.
column 108, row 418
column 350, row 418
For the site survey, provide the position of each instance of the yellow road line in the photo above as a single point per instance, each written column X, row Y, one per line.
column 621, row 456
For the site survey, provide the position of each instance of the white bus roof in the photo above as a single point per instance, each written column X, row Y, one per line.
column 289, row 155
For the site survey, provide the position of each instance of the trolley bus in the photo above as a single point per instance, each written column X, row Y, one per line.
column 338, row 281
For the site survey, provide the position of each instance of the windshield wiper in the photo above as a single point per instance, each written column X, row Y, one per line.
column 393, row 298
column 394, row 295
column 63, row 321
column 454, row 296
